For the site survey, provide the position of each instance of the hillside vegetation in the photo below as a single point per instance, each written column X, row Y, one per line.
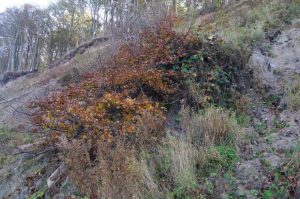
column 178, row 114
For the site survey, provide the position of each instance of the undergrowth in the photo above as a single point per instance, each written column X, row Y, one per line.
column 147, row 77
column 110, row 124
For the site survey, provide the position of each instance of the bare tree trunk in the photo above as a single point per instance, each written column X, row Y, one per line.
column 12, row 54
column 11, row 61
column 35, row 55
column 29, row 46
column 174, row 6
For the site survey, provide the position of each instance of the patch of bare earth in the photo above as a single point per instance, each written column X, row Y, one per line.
column 275, row 132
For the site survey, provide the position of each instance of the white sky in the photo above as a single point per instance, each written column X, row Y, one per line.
column 10, row 3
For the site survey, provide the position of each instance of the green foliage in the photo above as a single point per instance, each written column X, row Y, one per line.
column 39, row 194
column 272, row 101
column 268, row 194
column 217, row 4
column 229, row 156
column 243, row 119
column 250, row 26
column 260, row 127
column 274, row 191
column 209, row 74
column 293, row 10
column 164, row 161
column 183, row 190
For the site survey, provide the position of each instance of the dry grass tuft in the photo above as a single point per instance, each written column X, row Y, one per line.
column 110, row 172
column 293, row 94
column 242, row 104
column 212, row 126
column 183, row 157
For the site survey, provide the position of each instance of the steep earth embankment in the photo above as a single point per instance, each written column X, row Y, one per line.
column 275, row 131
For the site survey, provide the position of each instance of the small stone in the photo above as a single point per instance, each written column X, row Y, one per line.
column 274, row 160
column 248, row 175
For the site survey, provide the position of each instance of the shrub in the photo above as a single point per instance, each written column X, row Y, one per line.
column 112, row 100
column 147, row 77
column 105, row 120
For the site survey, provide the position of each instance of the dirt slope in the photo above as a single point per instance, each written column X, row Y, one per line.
column 277, row 127
column 274, row 131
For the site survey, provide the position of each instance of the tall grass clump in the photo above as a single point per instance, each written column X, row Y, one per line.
column 293, row 94
column 183, row 161
column 111, row 172
column 206, row 145
column 213, row 125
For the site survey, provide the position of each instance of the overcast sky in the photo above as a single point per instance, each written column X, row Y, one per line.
column 10, row 3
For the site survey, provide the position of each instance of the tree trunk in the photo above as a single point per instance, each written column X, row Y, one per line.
column 174, row 5
column 12, row 54
column 35, row 55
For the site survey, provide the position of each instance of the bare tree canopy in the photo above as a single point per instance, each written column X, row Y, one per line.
column 31, row 38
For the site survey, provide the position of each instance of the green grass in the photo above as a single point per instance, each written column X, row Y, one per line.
column 186, row 164
column 210, row 160
column 250, row 28
column 39, row 194
column 261, row 128
column 243, row 119
column 229, row 156
column 292, row 11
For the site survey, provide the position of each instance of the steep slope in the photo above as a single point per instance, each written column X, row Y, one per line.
column 266, row 165
column 19, row 170
column 275, row 131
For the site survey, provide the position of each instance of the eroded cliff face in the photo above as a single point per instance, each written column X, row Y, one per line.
column 274, row 69
column 274, row 72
